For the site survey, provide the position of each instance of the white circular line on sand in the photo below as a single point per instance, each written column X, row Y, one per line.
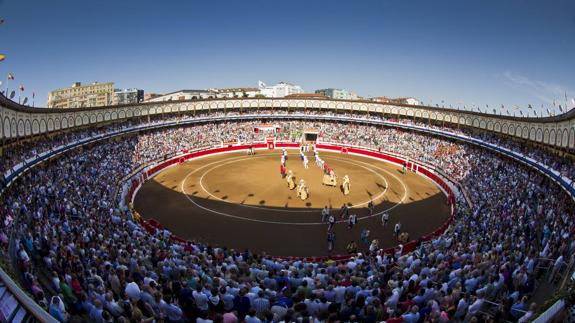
column 287, row 210
column 286, row 223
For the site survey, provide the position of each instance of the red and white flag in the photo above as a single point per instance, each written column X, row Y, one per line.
column 10, row 76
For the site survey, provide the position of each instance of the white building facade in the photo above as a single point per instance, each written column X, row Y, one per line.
column 242, row 92
column 128, row 96
column 279, row 90
column 337, row 94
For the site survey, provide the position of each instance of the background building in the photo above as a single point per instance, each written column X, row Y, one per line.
column 240, row 92
column 148, row 96
column 184, row 95
column 406, row 100
column 279, row 90
column 81, row 96
column 127, row 96
column 337, row 94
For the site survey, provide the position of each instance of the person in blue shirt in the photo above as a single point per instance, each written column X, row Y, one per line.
column 242, row 303
column 412, row 316
column 57, row 309
column 519, row 308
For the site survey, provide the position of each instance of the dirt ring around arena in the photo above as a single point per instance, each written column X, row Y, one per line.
column 242, row 202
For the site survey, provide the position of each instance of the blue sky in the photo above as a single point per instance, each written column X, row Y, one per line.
column 462, row 52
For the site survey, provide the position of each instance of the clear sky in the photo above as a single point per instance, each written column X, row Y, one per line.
column 463, row 52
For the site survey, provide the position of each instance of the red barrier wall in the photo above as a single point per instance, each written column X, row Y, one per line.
column 152, row 225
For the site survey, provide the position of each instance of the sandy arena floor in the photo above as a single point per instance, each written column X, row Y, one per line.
column 241, row 201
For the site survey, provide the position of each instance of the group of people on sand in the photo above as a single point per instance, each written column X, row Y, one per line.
column 351, row 218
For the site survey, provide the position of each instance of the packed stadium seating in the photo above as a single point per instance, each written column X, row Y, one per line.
column 82, row 256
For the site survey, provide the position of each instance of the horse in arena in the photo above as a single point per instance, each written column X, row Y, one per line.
column 290, row 180
column 302, row 190
column 345, row 186
column 330, row 178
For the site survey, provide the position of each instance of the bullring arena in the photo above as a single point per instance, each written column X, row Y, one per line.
column 175, row 199
column 242, row 202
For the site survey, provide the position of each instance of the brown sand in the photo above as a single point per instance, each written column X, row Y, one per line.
column 241, row 201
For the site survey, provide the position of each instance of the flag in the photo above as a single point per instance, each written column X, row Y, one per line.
column 21, row 87
column 12, row 94
column 560, row 108
column 548, row 112
column 11, row 76
column 33, row 94
column 529, row 106
column 261, row 84
column 25, row 101
column 2, row 57
column 521, row 112
column 494, row 111
column 554, row 103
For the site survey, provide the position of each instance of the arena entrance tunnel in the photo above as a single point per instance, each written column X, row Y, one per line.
column 224, row 197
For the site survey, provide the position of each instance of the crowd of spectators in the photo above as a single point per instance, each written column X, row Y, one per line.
column 82, row 256
column 559, row 162
column 20, row 151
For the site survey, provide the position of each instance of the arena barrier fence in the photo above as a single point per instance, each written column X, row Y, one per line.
column 152, row 225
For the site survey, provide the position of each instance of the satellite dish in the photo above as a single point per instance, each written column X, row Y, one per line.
column 12, row 94
column 25, row 101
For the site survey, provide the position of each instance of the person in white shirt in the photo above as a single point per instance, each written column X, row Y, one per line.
column 352, row 221
column 384, row 218
column 331, row 221
column 324, row 213
column 397, row 230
